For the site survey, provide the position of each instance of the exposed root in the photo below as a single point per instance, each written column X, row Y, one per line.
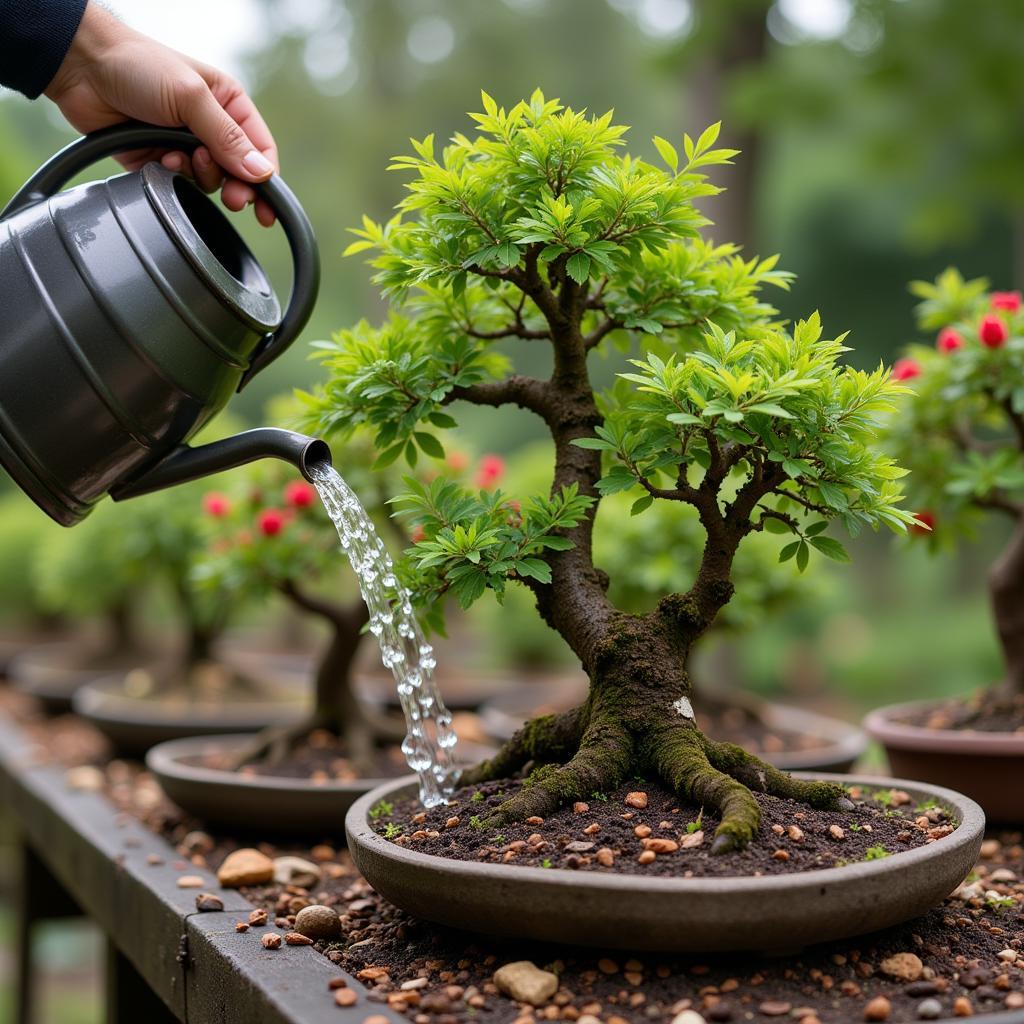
column 274, row 744
column 722, row 776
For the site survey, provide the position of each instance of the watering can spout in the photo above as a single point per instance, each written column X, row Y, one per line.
column 185, row 463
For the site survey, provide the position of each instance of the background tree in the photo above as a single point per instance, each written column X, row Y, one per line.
column 961, row 432
column 541, row 229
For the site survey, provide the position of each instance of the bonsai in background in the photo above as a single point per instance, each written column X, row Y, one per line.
column 270, row 535
column 541, row 230
column 961, row 432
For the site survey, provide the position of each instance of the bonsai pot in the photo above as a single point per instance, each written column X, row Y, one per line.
column 133, row 724
column 285, row 806
column 770, row 913
column 838, row 748
column 54, row 672
column 987, row 766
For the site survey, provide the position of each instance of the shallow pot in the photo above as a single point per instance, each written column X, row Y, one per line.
column 768, row 914
column 134, row 724
column 54, row 672
column 987, row 766
column 270, row 804
column 844, row 743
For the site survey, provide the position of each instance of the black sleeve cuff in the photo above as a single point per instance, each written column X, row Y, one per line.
column 35, row 36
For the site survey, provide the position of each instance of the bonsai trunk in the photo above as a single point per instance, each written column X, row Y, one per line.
column 1006, row 587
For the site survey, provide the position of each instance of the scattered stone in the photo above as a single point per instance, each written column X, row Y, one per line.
column 345, row 997
column 900, row 797
column 207, row 902
column 962, row 1007
column 154, row 859
column 836, row 832
column 86, row 777
column 413, row 984
column 535, row 819
column 795, row 832
column 780, row 855
column 241, row 926
column 197, row 842
column 607, row 966
column 452, row 821
column 258, row 917
column 692, row 840
column 271, row 941
column 921, row 988
column 376, row 1018
column 578, row 847
column 245, row 867
column 1008, row 956
column 297, row 871
column 929, row 1009
column 642, row 831
column 318, row 922
column 297, row 939
column 902, row 967
column 580, row 807
column 322, row 853
column 688, row 1017
column 661, row 845
column 637, row 800
column 191, row 882
column 526, row 982
column 605, row 857
column 1002, row 875
column 647, row 857
column 989, row 849
column 774, row 1008
column 592, row 830
column 878, row 1009
column 1014, row 1001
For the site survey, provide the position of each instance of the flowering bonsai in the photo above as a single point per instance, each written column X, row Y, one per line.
column 961, row 432
column 542, row 230
column 269, row 534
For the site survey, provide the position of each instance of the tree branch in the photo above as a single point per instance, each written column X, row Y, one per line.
column 526, row 392
column 998, row 502
column 338, row 614
column 595, row 337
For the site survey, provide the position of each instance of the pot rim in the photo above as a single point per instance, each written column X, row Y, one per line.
column 970, row 828
column 880, row 725
column 163, row 761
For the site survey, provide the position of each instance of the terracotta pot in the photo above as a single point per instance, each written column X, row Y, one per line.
column 987, row 766
column 272, row 805
column 769, row 914
column 843, row 743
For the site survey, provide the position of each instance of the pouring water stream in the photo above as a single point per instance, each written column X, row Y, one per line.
column 429, row 739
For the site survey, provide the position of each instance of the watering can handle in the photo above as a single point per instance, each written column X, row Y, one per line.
column 83, row 152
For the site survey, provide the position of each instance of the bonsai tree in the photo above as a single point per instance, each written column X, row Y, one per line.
column 270, row 535
column 961, row 431
column 540, row 229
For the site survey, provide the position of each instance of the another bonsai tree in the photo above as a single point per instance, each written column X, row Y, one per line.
column 961, row 431
column 269, row 534
column 540, row 230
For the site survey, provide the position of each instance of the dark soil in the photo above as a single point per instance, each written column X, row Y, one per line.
column 608, row 834
column 991, row 710
column 965, row 952
column 320, row 757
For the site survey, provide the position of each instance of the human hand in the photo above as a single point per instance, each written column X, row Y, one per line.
column 113, row 73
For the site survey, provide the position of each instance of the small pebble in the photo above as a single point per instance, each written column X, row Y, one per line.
column 962, row 1007
column 191, row 882
column 345, row 997
column 318, row 922
column 245, row 867
column 258, row 917
column 525, row 982
column 296, row 939
column 902, row 967
column 878, row 1009
column 647, row 857
column 206, row 902
column 780, row 855
column 271, row 941
column 774, row 1008
column 637, row 800
column 241, row 926
column 836, row 832
column 687, row 1017
column 929, row 1009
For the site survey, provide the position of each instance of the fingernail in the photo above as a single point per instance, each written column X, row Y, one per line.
column 256, row 163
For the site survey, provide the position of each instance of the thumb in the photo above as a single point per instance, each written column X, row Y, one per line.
column 227, row 142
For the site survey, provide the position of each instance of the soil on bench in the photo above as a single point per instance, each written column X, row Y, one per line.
column 991, row 710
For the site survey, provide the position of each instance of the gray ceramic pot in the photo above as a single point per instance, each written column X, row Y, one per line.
column 281, row 806
column 987, row 766
column 776, row 914
column 134, row 724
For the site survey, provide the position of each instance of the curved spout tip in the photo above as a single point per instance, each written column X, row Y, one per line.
column 184, row 463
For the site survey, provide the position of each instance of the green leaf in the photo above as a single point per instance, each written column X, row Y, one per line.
column 668, row 152
column 641, row 504
column 789, row 551
column 389, row 455
column 773, row 525
column 535, row 568
column 831, row 548
column 508, row 254
column 578, row 267
column 803, row 554
column 429, row 444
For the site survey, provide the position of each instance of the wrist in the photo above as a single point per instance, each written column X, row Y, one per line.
column 97, row 32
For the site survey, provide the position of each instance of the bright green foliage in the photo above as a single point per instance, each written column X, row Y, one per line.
column 27, row 534
column 961, row 432
column 542, row 228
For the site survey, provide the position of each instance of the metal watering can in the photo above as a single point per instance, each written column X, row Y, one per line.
column 134, row 311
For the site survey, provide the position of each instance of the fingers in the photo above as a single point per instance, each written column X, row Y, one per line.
column 208, row 174
column 227, row 141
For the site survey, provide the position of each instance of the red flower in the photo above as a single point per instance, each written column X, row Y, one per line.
column 417, row 534
column 457, row 460
column 906, row 369
column 925, row 522
column 490, row 471
column 271, row 522
column 216, row 504
column 1006, row 300
column 299, row 494
column 992, row 331
column 949, row 340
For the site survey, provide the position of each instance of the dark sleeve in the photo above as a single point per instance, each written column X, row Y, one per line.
column 34, row 37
